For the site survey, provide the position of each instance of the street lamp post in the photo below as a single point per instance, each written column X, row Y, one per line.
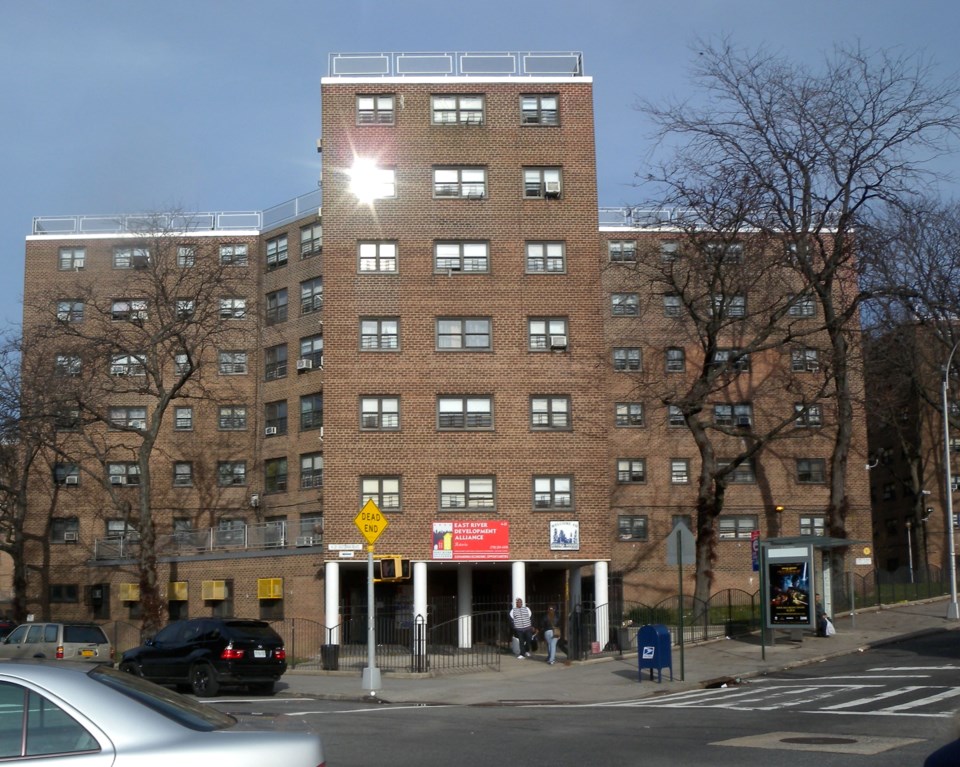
column 909, row 525
column 953, row 610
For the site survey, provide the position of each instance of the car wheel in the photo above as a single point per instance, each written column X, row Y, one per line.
column 131, row 668
column 203, row 681
column 262, row 688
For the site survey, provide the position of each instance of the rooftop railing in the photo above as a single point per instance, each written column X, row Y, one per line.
column 638, row 217
column 139, row 223
column 457, row 64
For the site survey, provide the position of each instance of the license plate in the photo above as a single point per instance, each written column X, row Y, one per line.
column 86, row 653
column 259, row 653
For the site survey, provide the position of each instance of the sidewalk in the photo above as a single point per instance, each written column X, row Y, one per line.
column 616, row 679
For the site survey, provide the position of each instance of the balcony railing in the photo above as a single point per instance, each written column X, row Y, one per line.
column 264, row 537
column 457, row 64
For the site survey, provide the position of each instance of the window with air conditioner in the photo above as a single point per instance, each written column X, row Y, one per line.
column 543, row 183
column 547, row 334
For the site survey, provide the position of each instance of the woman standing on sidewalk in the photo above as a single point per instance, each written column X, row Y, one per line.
column 551, row 634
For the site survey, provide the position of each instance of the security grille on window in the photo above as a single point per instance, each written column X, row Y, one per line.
column 311, row 470
column 186, row 256
column 737, row 527
column 233, row 308
column 68, row 365
column 233, row 255
column 629, row 413
column 275, row 418
column 676, row 360
column 546, row 257
column 811, row 471
column 311, row 412
column 460, row 182
column 679, row 471
column 70, row 311
column 625, row 304
column 276, row 252
column 622, row 251
column 808, row 416
column 380, row 334
column 123, row 473
column 539, row 109
column 805, row 360
column 542, row 182
column 72, row 259
column 383, row 491
column 380, row 413
column 232, row 418
column 466, row 493
column 461, row 257
column 675, row 416
column 802, row 306
column 547, row 334
column 552, row 492
column 375, row 109
column 128, row 417
column 275, row 362
column 275, row 475
column 743, row 474
column 126, row 309
column 550, row 412
column 311, row 296
column 471, row 334
column 127, row 365
column 182, row 474
column 183, row 418
column 632, row 527
column 627, row 359
column 130, row 258
column 230, row 473
column 311, row 240
column 813, row 526
column 232, row 363
column 377, row 257
column 464, row 413
column 457, row 110
column 631, row 470
column 276, row 307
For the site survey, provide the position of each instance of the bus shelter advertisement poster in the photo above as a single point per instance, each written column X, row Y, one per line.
column 789, row 593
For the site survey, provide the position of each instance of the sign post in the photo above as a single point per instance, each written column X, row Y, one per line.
column 371, row 523
column 681, row 550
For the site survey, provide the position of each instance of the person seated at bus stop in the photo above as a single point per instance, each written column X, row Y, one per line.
column 522, row 620
column 822, row 620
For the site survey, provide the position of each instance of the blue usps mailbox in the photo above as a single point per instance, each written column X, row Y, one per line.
column 653, row 650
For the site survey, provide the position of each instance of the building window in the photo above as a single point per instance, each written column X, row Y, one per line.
column 622, row 251
column 744, row 474
column 275, row 475
column 383, row 491
column 128, row 417
column 730, row 307
column 547, row 334
column 311, row 412
column 724, row 252
column 805, row 360
column 311, row 348
column 676, row 360
column 275, row 362
column 72, row 259
column 186, row 256
column 63, row 593
column 808, row 416
column 546, row 257
column 233, row 255
column 380, row 333
column 67, row 365
column 460, row 182
column 232, row 418
column 739, row 416
column 631, row 470
column 181, row 364
column 233, row 308
column 625, row 304
column 737, row 527
column 183, row 474
column 550, row 412
column 311, row 295
column 375, row 109
column 541, row 182
column 232, row 363
column 131, row 258
column 460, row 413
column 734, row 360
column 276, row 306
column 627, row 358
column 465, row 109
column 632, row 527
column 129, row 310
column 671, row 305
column 125, row 473
column 628, row 413
column 539, row 109
column 815, row 525
column 802, row 306
column 311, row 470
column 679, row 471
column 377, row 257
column 120, row 528
column 379, row 413
column 471, row 333
column 275, row 417
column 127, row 365
column 230, row 473
column 66, row 474
column 675, row 416
column 276, row 252
column 66, row 419
column 811, row 471
column 311, row 240
column 466, row 493
column 669, row 250
column 461, row 257
column 70, row 311
column 184, row 308
column 552, row 493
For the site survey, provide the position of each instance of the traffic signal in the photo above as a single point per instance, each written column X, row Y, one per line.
column 389, row 569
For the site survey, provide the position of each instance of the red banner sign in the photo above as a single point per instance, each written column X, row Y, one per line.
column 474, row 540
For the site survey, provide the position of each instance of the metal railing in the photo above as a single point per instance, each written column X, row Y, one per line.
column 140, row 224
column 457, row 64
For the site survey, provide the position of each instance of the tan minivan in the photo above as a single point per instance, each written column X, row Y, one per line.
column 59, row 641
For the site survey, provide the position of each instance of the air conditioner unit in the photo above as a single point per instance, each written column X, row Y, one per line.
column 551, row 188
column 558, row 342
column 118, row 370
column 70, row 537
column 71, row 479
column 743, row 420
column 213, row 590
column 177, row 591
column 270, row 431
column 321, row 434
column 304, row 364
column 140, row 262
column 129, row 592
column 304, row 540
column 813, row 367
column 116, row 479
column 269, row 588
column 255, row 500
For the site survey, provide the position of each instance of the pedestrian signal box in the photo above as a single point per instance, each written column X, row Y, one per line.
column 387, row 569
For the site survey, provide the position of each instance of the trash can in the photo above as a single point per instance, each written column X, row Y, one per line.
column 654, row 650
column 330, row 657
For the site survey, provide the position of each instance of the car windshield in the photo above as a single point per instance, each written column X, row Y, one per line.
column 84, row 634
column 179, row 708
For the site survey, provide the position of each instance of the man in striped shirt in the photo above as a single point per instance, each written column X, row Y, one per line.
column 522, row 620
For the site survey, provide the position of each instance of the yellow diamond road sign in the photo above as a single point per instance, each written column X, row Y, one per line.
column 370, row 522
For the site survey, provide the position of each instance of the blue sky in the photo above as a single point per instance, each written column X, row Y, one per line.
column 117, row 106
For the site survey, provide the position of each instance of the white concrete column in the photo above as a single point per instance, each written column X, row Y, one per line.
column 602, row 593
column 465, row 605
column 519, row 583
column 420, row 607
column 331, row 602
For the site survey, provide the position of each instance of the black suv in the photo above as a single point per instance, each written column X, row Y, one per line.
column 204, row 654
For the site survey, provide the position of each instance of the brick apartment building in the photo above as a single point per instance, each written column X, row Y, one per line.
column 452, row 340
